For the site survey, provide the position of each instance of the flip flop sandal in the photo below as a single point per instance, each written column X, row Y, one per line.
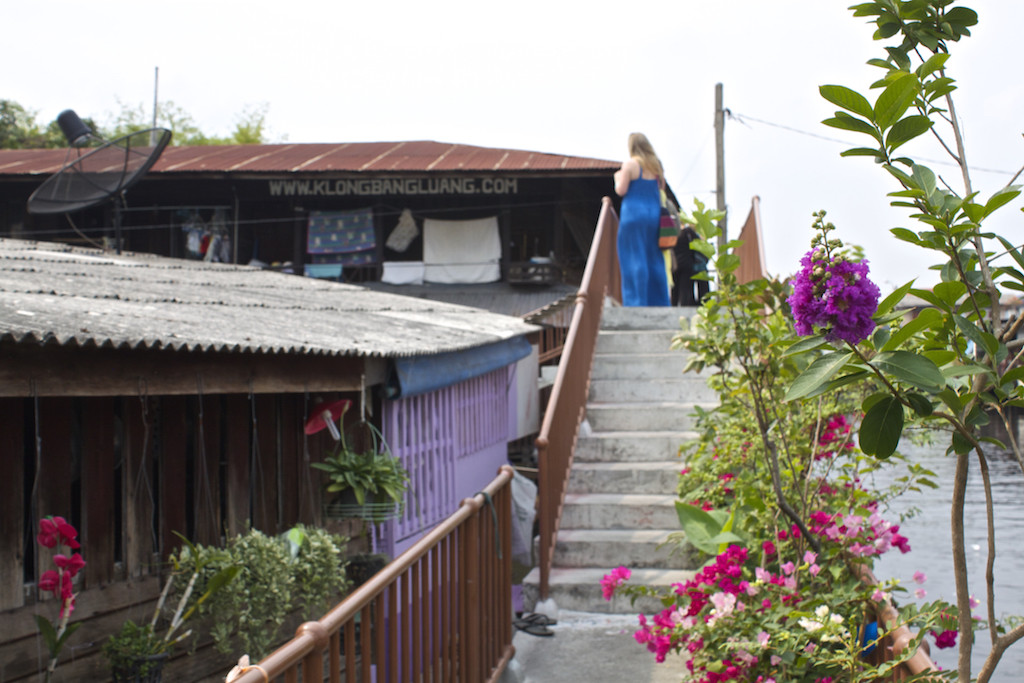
column 532, row 628
column 541, row 619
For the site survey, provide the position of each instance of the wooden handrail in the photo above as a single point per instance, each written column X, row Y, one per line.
column 556, row 442
column 454, row 588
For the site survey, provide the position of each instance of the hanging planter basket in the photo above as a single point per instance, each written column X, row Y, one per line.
column 345, row 506
column 370, row 468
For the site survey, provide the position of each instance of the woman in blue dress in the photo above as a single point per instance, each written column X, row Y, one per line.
column 641, row 264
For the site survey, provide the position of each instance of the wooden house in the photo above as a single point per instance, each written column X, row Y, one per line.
column 142, row 395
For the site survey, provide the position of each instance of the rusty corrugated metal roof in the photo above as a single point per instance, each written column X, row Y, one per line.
column 354, row 157
column 73, row 296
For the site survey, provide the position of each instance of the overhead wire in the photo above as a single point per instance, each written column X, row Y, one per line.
column 744, row 118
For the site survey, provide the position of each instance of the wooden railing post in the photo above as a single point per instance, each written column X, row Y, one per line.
column 556, row 442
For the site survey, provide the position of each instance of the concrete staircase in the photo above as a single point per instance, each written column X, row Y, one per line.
column 620, row 502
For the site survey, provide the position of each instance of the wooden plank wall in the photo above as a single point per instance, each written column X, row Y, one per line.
column 120, row 470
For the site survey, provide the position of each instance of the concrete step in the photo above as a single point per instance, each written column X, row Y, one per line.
column 612, row 547
column 645, row 318
column 640, row 366
column 659, row 477
column 636, row 341
column 619, row 511
column 691, row 388
column 630, row 446
column 644, row 417
column 580, row 589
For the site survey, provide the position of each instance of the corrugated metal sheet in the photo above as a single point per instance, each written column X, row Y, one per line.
column 496, row 297
column 55, row 293
column 356, row 157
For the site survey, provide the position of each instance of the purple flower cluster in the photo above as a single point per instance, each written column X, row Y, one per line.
column 834, row 295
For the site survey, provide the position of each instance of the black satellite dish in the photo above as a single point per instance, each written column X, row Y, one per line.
column 100, row 173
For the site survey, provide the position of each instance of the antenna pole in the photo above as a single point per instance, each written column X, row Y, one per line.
column 156, row 83
column 117, row 223
column 723, row 237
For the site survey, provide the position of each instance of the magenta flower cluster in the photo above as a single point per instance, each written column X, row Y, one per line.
column 863, row 536
column 834, row 295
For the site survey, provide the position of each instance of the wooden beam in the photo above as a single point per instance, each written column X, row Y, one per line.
column 13, row 525
column 98, row 490
column 69, row 371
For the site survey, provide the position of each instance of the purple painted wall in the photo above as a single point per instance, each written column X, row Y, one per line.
column 452, row 442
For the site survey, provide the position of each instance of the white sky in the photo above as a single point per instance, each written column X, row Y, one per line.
column 561, row 76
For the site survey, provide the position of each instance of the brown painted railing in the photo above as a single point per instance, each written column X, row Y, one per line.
column 556, row 442
column 441, row 611
column 554, row 321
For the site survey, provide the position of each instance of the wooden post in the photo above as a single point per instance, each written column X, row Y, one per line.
column 720, row 164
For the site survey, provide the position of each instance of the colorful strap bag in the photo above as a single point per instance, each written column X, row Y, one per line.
column 670, row 227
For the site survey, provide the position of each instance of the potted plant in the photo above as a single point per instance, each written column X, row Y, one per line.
column 137, row 653
column 369, row 481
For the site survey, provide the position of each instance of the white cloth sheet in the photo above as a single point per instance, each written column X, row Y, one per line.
column 462, row 251
column 402, row 273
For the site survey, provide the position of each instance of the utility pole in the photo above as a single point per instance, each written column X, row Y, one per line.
column 720, row 165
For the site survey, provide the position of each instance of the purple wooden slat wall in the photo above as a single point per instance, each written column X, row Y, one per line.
column 451, row 441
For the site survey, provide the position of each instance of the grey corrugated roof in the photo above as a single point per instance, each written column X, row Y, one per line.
column 496, row 297
column 55, row 293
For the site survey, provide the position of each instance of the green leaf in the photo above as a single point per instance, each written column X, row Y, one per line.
column 848, row 99
column 806, row 344
column 950, row 292
column 852, row 123
column 911, row 368
column 983, row 340
column 897, row 296
column 818, row 373
column 927, row 318
column 703, row 530
column 921, row 404
column 932, row 64
column 49, row 634
column 906, row 235
column 881, row 428
column 1000, row 198
column 906, row 130
column 895, row 99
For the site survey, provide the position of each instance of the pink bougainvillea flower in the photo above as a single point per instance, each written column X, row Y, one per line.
column 920, row 577
column 920, row 593
column 945, row 639
column 614, row 579
column 973, row 602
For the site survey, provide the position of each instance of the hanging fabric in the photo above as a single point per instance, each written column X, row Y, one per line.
column 403, row 233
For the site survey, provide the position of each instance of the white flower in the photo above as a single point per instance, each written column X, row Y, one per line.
column 810, row 625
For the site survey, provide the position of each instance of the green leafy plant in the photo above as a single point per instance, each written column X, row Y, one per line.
column 957, row 364
column 774, row 494
column 300, row 569
column 371, row 474
column 136, row 649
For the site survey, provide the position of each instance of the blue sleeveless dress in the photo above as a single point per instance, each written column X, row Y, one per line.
column 644, row 281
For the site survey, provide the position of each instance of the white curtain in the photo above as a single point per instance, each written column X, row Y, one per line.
column 462, row 251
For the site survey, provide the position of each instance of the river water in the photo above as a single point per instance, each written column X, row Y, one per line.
column 929, row 536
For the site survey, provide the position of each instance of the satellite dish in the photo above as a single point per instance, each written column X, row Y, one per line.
column 97, row 174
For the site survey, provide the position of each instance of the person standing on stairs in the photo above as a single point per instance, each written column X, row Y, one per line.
column 641, row 264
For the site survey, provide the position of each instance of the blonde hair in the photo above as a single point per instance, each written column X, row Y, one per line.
column 640, row 148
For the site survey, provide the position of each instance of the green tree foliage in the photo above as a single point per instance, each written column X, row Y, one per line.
column 20, row 129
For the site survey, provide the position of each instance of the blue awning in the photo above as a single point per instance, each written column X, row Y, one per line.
column 423, row 374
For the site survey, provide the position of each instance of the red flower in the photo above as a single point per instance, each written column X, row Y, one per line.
column 48, row 580
column 54, row 530
column 945, row 639
column 71, row 564
column 48, row 534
